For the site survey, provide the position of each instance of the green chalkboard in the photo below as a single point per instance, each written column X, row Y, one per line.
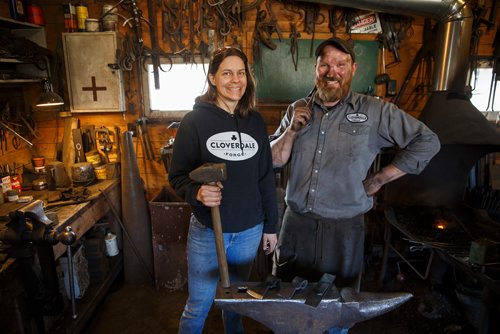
column 278, row 81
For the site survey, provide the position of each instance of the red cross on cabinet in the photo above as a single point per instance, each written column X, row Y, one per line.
column 95, row 84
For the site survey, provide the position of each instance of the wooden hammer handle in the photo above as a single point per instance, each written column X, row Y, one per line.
column 219, row 244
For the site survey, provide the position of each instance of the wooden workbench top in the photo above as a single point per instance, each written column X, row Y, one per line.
column 80, row 216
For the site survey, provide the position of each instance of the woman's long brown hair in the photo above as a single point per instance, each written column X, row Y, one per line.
column 247, row 101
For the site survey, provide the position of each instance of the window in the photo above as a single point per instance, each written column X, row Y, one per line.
column 483, row 95
column 179, row 86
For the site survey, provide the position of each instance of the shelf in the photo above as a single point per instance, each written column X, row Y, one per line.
column 14, row 24
column 20, row 81
column 10, row 60
column 86, row 306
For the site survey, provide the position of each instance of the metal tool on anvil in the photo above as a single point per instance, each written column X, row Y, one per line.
column 260, row 292
column 342, row 308
column 211, row 173
column 324, row 284
column 298, row 284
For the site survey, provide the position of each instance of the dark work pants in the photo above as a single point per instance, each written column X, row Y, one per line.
column 309, row 247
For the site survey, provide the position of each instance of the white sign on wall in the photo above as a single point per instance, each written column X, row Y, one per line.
column 366, row 24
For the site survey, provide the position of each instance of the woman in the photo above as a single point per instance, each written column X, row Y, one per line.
column 224, row 127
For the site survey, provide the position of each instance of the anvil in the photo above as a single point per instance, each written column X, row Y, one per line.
column 342, row 308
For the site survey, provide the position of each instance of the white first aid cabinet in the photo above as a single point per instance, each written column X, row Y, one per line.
column 95, row 83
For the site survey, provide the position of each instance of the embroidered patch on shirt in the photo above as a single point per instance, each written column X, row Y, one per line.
column 357, row 118
column 227, row 145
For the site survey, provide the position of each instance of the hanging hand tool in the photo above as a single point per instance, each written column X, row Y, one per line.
column 16, row 135
column 142, row 132
column 273, row 25
column 383, row 77
column 211, row 173
column 155, row 58
column 294, row 45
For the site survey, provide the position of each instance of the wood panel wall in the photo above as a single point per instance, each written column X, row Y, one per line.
column 50, row 126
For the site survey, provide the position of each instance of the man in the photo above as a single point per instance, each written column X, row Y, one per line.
column 330, row 139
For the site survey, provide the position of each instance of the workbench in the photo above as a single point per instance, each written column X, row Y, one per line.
column 81, row 217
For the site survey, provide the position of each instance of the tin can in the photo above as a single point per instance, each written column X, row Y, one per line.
column 91, row 25
column 82, row 14
column 12, row 195
column 109, row 13
column 111, row 244
column 108, row 25
column 35, row 14
column 109, row 18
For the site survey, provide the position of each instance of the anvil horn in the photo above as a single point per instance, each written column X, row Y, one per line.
column 367, row 305
column 293, row 316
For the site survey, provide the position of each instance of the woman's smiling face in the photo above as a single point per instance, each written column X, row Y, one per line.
column 230, row 80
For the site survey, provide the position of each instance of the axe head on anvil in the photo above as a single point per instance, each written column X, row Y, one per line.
column 342, row 308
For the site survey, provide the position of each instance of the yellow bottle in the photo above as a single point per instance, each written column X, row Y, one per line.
column 82, row 14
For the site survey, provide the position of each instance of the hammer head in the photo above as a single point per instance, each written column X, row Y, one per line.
column 209, row 172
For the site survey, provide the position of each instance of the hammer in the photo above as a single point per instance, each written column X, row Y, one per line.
column 210, row 173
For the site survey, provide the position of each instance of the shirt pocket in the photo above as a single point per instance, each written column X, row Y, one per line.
column 353, row 138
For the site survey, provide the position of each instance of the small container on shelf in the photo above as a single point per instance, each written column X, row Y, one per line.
column 35, row 14
column 91, row 25
column 17, row 10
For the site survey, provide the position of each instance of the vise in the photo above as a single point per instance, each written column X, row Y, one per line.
column 31, row 235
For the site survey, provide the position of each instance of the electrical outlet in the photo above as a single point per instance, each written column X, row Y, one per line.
column 131, row 128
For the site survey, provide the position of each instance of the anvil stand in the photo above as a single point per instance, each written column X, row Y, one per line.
column 31, row 235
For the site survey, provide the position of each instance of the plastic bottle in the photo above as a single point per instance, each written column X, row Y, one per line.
column 82, row 14
column 70, row 24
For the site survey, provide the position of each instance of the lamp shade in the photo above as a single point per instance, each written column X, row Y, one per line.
column 49, row 99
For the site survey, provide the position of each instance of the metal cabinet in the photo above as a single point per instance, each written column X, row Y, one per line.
column 95, row 83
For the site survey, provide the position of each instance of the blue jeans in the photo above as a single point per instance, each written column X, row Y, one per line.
column 203, row 273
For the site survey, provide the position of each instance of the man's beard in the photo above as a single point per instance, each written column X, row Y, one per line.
column 329, row 94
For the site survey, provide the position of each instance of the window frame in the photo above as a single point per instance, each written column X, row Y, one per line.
column 484, row 63
column 169, row 115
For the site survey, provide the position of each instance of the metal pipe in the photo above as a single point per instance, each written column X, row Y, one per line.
column 71, row 278
column 454, row 35
column 7, row 128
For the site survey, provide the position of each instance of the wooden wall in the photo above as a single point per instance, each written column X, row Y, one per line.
column 50, row 125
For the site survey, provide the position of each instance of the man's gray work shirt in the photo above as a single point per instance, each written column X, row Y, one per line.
column 332, row 154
